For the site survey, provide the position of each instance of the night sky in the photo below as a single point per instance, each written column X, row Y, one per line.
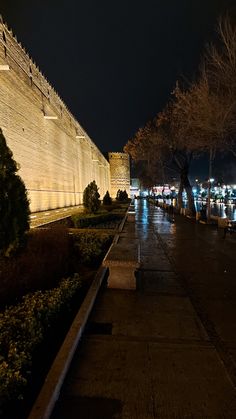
column 114, row 63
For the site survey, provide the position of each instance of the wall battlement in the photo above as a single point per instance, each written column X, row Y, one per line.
column 17, row 58
column 13, row 54
column 57, row 157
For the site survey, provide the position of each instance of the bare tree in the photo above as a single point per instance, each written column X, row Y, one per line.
column 199, row 118
column 204, row 114
column 158, row 145
column 220, row 64
column 146, row 148
column 176, row 139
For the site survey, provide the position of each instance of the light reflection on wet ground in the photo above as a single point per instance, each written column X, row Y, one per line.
column 147, row 216
column 218, row 209
column 168, row 338
column 179, row 233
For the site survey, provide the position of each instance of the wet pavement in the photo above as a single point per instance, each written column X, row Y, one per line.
column 167, row 350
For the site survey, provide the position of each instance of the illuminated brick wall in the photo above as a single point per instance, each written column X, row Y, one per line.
column 120, row 172
column 57, row 158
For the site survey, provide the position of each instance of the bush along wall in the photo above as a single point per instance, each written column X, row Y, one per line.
column 14, row 204
column 91, row 197
column 90, row 247
column 90, row 220
column 22, row 329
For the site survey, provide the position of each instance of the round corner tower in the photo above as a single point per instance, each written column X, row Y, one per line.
column 119, row 172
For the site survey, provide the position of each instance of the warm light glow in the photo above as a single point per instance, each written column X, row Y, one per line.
column 4, row 67
column 50, row 117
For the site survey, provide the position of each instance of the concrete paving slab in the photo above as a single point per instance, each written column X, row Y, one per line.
column 213, row 286
column 161, row 282
column 223, row 315
column 148, row 355
column 153, row 262
column 146, row 380
column 154, row 249
column 155, row 315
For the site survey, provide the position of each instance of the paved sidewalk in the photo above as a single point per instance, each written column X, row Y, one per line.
column 166, row 350
column 41, row 218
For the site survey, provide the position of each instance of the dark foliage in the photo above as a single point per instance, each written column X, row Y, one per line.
column 14, row 204
column 40, row 265
column 107, row 199
column 90, row 247
column 91, row 197
column 84, row 221
column 121, row 196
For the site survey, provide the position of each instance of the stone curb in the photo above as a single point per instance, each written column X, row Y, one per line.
column 45, row 402
column 121, row 226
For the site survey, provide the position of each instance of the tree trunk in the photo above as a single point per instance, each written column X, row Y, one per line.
column 180, row 196
column 186, row 185
column 209, row 186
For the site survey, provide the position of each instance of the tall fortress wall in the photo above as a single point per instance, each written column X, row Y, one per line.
column 57, row 158
column 120, row 172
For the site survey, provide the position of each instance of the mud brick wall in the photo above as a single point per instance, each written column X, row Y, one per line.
column 56, row 156
column 120, row 172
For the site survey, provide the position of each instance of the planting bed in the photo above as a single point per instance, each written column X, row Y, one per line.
column 51, row 254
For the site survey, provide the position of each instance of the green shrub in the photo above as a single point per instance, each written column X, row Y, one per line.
column 40, row 265
column 14, row 204
column 121, row 196
column 22, row 329
column 107, row 199
column 88, row 220
column 91, row 246
column 91, row 198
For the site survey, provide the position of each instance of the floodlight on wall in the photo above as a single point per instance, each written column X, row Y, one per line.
column 50, row 117
column 4, row 67
column 48, row 114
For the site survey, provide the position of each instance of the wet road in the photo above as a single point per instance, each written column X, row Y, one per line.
column 167, row 350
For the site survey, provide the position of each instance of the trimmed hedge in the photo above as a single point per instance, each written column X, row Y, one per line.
column 91, row 246
column 91, row 220
column 22, row 329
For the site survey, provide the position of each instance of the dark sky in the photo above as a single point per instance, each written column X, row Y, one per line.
column 114, row 63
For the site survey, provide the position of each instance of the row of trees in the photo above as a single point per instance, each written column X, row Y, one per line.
column 198, row 118
column 91, row 197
